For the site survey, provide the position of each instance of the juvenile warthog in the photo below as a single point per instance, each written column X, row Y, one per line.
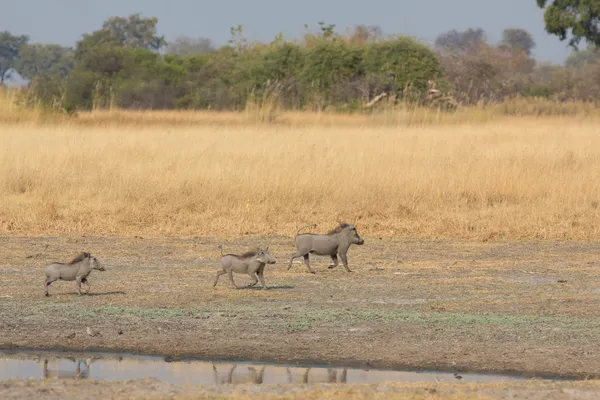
column 337, row 241
column 251, row 263
column 77, row 269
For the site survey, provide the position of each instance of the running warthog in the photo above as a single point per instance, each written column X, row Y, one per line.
column 251, row 263
column 77, row 269
column 337, row 241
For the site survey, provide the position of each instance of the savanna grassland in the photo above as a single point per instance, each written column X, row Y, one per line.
column 408, row 174
column 480, row 227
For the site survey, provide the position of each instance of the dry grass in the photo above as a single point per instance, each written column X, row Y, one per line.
column 151, row 389
column 186, row 173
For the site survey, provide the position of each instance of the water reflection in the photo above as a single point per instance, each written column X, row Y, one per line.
column 113, row 367
column 68, row 373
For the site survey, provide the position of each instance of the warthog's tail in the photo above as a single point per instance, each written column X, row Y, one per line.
column 221, row 248
column 304, row 227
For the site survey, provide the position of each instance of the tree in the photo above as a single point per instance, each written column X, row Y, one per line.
column 328, row 31
column 135, row 31
column 186, row 46
column 130, row 32
column 91, row 41
column 10, row 46
column 518, row 39
column 461, row 41
column 35, row 59
column 579, row 18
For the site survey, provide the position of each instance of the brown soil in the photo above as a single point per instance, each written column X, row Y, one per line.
column 525, row 307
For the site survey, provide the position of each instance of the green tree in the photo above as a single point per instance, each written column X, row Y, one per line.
column 10, row 46
column 135, row 31
column 89, row 42
column 395, row 65
column 580, row 18
column 53, row 59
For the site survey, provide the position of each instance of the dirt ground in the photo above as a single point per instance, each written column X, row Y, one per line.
column 516, row 307
column 153, row 389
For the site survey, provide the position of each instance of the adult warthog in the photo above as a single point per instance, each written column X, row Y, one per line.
column 336, row 241
column 251, row 263
column 77, row 269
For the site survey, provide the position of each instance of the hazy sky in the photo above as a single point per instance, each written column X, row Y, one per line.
column 63, row 21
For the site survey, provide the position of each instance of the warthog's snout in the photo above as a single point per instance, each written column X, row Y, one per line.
column 101, row 269
column 360, row 242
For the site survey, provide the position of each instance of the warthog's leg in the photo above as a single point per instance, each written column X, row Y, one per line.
column 230, row 273
column 230, row 375
column 344, row 258
column 252, row 276
column 216, row 374
column 307, row 263
column 85, row 281
column 79, row 286
column 295, row 255
column 344, row 377
column 47, row 285
column 219, row 273
column 257, row 378
column 305, row 376
column 331, row 375
column 335, row 261
column 262, row 278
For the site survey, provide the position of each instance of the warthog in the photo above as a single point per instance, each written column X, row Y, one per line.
column 77, row 269
column 251, row 263
column 336, row 241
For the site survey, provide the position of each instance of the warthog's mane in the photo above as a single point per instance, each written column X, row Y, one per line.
column 338, row 228
column 79, row 257
column 247, row 254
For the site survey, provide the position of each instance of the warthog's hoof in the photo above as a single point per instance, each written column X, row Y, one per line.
column 265, row 288
column 332, row 266
column 47, row 295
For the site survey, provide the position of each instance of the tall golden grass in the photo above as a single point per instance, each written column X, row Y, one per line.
column 471, row 174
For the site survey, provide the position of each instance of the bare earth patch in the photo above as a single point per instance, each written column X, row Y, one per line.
column 527, row 307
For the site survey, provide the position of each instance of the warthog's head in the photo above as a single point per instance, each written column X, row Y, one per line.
column 352, row 234
column 96, row 264
column 264, row 256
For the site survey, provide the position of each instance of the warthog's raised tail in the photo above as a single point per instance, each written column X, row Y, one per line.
column 221, row 248
column 304, row 227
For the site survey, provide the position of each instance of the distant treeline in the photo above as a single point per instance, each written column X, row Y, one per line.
column 125, row 64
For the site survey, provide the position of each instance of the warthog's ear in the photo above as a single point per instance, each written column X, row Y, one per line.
column 86, row 255
column 267, row 249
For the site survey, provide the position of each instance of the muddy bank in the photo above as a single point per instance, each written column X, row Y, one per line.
column 505, row 307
